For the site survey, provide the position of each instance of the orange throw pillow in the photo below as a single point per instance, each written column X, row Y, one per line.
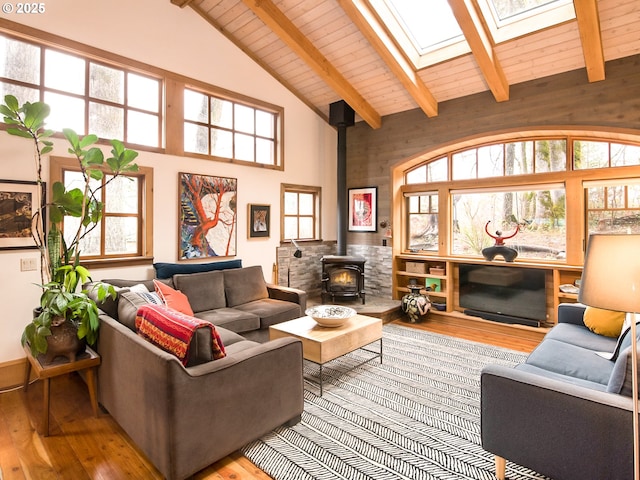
column 173, row 298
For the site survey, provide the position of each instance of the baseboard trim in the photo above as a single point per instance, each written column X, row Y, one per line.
column 12, row 373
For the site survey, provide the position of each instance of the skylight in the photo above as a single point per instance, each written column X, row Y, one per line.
column 412, row 15
column 428, row 32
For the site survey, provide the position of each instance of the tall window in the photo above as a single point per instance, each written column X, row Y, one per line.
column 85, row 95
column 124, row 231
column 301, row 212
column 227, row 129
column 423, row 222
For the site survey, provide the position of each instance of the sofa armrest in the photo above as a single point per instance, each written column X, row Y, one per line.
column 571, row 313
column 288, row 294
column 555, row 428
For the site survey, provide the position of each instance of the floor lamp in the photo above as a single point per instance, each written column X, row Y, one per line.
column 611, row 281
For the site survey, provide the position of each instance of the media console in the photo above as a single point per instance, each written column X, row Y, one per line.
column 533, row 287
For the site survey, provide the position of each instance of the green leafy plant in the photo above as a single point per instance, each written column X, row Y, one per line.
column 61, row 272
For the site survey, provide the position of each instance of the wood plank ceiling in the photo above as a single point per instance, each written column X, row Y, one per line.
column 330, row 50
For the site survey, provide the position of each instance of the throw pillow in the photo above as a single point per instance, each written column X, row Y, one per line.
column 173, row 298
column 129, row 302
column 604, row 322
column 192, row 340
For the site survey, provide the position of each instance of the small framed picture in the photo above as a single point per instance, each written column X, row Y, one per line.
column 18, row 204
column 363, row 209
column 259, row 220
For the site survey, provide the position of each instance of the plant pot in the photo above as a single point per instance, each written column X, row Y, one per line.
column 64, row 342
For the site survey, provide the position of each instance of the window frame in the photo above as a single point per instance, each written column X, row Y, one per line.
column 317, row 197
column 60, row 165
column 237, row 100
column 576, row 228
column 125, row 66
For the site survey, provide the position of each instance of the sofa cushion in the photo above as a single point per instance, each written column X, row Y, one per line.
column 231, row 319
column 168, row 270
column 130, row 302
column 271, row 311
column 571, row 360
column 244, row 285
column 581, row 336
column 120, row 282
column 172, row 298
column 177, row 333
column 205, row 290
column 603, row 322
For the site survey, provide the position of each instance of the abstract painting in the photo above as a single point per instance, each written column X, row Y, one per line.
column 208, row 216
column 363, row 206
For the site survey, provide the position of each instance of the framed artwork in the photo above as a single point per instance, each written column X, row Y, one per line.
column 259, row 220
column 18, row 205
column 363, row 209
column 208, row 216
column 433, row 284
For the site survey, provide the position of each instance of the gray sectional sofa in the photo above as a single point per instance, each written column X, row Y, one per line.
column 186, row 418
column 566, row 412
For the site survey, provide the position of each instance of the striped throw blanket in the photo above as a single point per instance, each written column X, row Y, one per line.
column 173, row 331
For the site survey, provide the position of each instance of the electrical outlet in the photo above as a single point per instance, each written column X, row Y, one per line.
column 28, row 264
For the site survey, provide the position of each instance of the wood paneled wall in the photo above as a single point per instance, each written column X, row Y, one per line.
column 564, row 100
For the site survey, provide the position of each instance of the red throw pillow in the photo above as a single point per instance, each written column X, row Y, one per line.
column 173, row 298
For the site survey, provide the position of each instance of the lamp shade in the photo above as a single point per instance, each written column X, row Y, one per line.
column 611, row 274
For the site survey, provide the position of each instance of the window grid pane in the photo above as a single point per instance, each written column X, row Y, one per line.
column 300, row 214
column 77, row 89
column 238, row 131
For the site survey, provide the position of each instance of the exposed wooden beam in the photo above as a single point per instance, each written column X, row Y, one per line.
column 591, row 38
column 181, row 3
column 376, row 34
column 481, row 46
column 238, row 43
column 267, row 11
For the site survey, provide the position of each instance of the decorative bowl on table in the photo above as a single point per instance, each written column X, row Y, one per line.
column 330, row 315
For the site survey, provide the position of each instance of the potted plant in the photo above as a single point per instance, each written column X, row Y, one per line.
column 61, row 272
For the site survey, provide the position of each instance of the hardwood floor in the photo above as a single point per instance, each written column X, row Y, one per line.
column 81, row 446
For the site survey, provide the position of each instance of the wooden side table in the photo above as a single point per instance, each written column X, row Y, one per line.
column 88, row 361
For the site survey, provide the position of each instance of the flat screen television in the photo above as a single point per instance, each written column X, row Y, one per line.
column 504, row 294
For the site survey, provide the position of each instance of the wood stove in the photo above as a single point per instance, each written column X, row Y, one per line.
column 343, row 277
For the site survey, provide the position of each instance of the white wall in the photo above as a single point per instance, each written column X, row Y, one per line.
column 178, row 40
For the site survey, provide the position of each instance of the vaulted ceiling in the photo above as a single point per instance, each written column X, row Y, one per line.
column 330, row 50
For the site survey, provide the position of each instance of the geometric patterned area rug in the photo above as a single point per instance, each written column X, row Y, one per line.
column 414, row 416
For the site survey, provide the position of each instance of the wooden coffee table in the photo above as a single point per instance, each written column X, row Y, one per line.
column 322, row 344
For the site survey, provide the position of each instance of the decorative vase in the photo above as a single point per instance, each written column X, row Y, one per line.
column 415, row 304
column 64, row 341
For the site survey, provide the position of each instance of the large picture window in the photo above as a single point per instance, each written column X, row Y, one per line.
column 538, row 214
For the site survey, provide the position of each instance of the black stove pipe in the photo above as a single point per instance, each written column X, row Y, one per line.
column 341, row 115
